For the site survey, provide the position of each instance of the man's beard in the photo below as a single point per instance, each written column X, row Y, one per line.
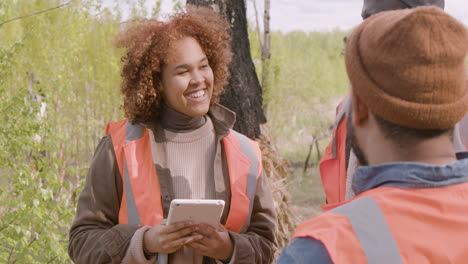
column 353, row 143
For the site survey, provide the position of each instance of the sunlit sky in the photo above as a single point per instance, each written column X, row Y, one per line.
column 307, row 15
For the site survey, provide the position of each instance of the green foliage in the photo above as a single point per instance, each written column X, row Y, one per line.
column 33, row 201
column 307, row 80
column 178, row 5
column 63, row 60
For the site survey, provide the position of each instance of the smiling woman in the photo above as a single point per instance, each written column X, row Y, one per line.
column 187, row 79
column 154, row 46
column 177, row 143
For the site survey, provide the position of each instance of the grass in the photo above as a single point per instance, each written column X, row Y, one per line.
column 306, row 192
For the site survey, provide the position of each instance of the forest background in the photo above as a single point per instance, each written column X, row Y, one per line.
column 59, row 86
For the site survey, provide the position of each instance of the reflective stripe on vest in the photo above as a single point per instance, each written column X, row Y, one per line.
column 141, row 205
column 356, row 232
column 340, row 117
column 369, row 223
column 244, row 169
column 133, row 132
column 140, row 194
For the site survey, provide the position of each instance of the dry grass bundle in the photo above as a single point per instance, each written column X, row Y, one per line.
column 276, row 169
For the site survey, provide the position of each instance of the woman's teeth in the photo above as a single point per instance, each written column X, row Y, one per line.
column 197, row 94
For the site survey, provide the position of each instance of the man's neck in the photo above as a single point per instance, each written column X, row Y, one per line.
column 435, row 151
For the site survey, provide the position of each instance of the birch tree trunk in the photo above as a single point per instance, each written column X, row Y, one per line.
column 264, row 47
column 266, row 54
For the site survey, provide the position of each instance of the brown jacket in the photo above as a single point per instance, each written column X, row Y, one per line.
column 96, row 236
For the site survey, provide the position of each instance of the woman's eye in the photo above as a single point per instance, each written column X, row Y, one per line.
column 204, row 66
column 182, row 72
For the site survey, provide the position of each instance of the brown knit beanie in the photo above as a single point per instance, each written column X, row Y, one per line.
column 409, row 67
column 372, row 7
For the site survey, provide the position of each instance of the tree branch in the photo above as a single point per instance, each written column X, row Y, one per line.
column 11, row 254
column 266, row 32
column 315, row 141
column 258, row 26
column 52, row 259
column 37, row 13
column 3, row 227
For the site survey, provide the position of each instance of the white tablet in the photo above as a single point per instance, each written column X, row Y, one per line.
column 196, row 210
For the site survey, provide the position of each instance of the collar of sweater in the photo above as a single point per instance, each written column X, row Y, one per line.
column 178, row 122
column 223, row 120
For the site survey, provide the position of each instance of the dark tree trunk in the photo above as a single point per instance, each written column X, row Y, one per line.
column 243, row 94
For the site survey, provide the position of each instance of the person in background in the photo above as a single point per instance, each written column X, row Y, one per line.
column 176, row 143
column 338, row 164
column 409, row 89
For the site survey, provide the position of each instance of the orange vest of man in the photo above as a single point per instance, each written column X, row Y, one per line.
column 395, row 225
column 141, row 199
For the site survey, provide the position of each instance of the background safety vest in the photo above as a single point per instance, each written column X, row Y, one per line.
column 333, row 167
column 333, row 162
column 141, row 199
column 394, row 225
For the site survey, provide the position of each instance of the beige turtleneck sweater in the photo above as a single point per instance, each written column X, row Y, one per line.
column 187, row 159
column 183, row 150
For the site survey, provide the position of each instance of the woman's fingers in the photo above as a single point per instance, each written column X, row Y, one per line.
column 178, row 243
column 179, row 233
column 207, row 230
column 199, row 246
column 216, row 243
column 175, row 227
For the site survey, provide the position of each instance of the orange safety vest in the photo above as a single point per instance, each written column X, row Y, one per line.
column 141, row 199
column 395, row 225
column 333, row 162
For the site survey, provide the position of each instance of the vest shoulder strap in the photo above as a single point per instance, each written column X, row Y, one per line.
column 141, row 199
column 342, row 109
column 244, row 167
column 372, row 230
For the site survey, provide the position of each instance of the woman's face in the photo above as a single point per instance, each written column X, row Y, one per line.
column 187, row 78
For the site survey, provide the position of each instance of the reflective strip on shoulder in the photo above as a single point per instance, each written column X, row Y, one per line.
column 249, row 152
column 133, row 132
column 341, row 114
column 372, row 230
column 132, row 212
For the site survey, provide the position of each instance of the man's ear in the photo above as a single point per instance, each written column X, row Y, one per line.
column 360, row 111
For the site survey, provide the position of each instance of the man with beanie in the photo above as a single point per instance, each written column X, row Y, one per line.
column 409, row 89
column 338, row 164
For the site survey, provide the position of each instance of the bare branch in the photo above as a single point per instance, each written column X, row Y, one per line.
column 315, row 141
column 3, row 227
column 37, row 13
column 266, row 31
column 258, row 26
column 266, row 54
column 10, row 255
column 52, row 259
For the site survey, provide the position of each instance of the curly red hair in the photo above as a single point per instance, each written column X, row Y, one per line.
column 147, row 43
